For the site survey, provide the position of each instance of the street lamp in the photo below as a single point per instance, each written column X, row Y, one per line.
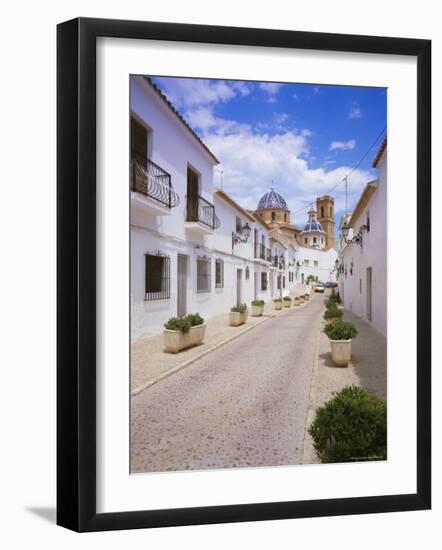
column 357, row 239
column 245, row 233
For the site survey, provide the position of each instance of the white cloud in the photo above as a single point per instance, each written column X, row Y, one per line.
column 194, row 92
column 342, row 145
column 251, row 161
column 271, row 90
column 355, row 111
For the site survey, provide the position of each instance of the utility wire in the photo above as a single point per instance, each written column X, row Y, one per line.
column 349, row 173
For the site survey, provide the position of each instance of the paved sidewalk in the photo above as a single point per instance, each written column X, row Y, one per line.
column 149, row 362
column 368, row 370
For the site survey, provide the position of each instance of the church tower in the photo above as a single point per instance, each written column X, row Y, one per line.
column 325, row 208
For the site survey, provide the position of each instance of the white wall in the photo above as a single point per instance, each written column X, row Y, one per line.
column 325, row 263
column 373, row 253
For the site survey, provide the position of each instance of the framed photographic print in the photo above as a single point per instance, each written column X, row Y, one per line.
column 243, row 221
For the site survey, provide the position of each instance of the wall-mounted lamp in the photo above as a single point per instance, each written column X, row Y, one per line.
column 357, row 239
column 245, row 233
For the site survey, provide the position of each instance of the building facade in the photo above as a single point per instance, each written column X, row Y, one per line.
column 362, row 272
column 193, row 248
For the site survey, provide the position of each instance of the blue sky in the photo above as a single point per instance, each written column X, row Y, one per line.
column 304, row 137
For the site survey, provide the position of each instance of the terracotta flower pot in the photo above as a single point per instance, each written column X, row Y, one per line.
column 341, row 352
column 236, row 318
column 175, row 340
column 257, row 311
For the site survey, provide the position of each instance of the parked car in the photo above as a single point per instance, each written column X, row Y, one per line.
column 320, row 287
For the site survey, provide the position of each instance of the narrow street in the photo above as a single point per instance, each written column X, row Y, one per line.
column 243, row 405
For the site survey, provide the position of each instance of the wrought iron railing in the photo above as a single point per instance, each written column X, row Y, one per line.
column 278, row 261
column 262, row 252
column 151, row 180
column 202, row 211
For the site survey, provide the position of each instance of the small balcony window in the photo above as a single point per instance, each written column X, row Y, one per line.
column 263, row 280
column 219, row 273
column 203, row 274
column 157, row 276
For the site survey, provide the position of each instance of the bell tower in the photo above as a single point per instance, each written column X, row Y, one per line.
column 325, row 208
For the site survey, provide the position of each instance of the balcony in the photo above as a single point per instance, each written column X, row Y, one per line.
column 200, row 215
column 262, row 253
column 151, row 186
column 278, row 262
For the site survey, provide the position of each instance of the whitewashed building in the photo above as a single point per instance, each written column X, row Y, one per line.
column 362, row 278
column 193, row 248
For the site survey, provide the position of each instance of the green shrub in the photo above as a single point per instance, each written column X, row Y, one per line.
column 287, row 299
column 351, row 427
column 277, row 299
column 195, row 319
column 181, row 324
column 307, row 296
column 333, row 313
column 340, row 330
column 257, row 302
column 239, row 309
column 310, row 279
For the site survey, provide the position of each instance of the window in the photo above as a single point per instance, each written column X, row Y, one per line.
column 306, row 263
column 305, row 240
column 157, row 276
column 247, row 273
column 322, row 240
column 263, row 280
column 315, row 263
column 238, row 225
column 360, row 286
column 219, row 273
column 331, row 211
column 278, row 281
column 285, row 217
column 314, row 240
column 138, row 139
column 273, row 216
column 368, row 222
column 283, row 282
column 322, row 211
column 203, row 274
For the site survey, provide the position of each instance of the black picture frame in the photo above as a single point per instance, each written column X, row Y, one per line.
column 76, row 274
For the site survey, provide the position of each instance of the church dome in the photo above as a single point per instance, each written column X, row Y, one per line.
column 313, row 226
column 272, row 199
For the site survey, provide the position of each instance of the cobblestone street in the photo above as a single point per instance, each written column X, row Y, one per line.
column 244, row 405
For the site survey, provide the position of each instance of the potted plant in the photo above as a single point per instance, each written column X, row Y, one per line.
column 238, row 315
column 257, row 308
column 277, row 303
column 340, row 334
column 296, row 301
column 183, row 332
column 306, row 296
column 332, row 312
column 287, row 301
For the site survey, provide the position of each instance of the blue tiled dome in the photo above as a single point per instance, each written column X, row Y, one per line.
column 272, row 199
column 313, row 226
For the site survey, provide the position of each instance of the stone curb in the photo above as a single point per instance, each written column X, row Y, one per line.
column 181, row 366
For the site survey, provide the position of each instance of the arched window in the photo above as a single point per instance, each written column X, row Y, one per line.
column 305, row 240
column 322, row 211
column 273, row 216
column 331, row 211
column 314, row 240
column 285, row 217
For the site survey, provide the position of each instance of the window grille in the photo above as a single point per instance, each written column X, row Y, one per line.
column 157, row 276
column 263, row 281
column 203, row 274
column 219, row 273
